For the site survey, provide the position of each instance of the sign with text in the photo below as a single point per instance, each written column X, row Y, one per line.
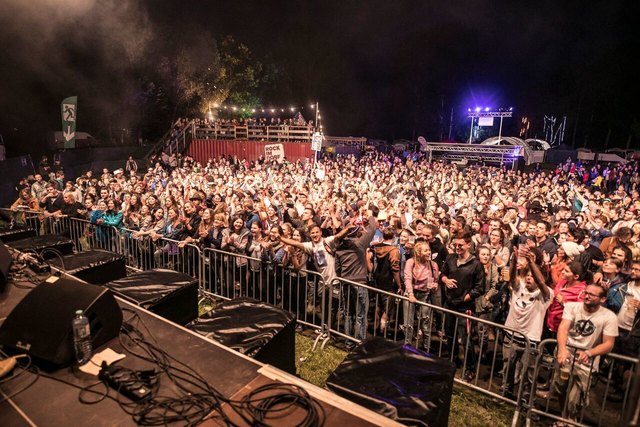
column 274, row 152
column 316, row 141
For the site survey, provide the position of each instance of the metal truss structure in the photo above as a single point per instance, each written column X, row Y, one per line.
column 495, row 154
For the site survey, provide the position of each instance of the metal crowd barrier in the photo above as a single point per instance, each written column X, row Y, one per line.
column 24, row 217
column 461, row 338
column 144, row 253
column 229, row 275
column 353, row 311
column 591, row 386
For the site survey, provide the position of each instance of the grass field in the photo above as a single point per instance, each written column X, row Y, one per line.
column 468, row 408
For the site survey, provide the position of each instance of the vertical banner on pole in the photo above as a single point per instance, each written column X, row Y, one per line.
column 316, row 145
column 69, row 108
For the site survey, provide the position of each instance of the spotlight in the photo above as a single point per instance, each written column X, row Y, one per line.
column 486, row 108
column 478, row 109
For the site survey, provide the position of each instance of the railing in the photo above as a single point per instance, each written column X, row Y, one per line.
column 228, row 275
column 582, row 394
column 229, row 131
column 440, row 332
column 172, row 143
column 352, row 311
column 23, row 218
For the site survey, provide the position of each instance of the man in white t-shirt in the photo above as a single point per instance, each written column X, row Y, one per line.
column 587, row 331
column 322, row 251
column 530, row 299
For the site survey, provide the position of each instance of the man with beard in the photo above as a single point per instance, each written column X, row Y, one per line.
column 587, row 331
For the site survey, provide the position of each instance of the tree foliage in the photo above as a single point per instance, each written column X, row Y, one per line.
column 195, row 76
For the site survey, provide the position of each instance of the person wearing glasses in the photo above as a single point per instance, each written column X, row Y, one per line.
column 587, row 331
column 463, row 277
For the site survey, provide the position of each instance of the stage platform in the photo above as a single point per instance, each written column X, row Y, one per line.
column 48, row 402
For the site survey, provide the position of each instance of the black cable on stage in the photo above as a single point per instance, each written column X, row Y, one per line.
column 23, row 368
column 279, row 401
column 199, row 401
column 269, row 402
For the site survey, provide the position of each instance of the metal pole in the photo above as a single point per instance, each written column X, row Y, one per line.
column 471, row 130
column 500, row 131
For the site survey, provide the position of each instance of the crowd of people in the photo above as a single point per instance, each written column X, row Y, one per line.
column 548, row 254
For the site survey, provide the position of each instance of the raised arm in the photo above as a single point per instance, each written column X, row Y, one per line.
column 291, row 242
column 538, row 276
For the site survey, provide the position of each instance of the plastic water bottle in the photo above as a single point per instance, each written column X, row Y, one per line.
column 82, row 338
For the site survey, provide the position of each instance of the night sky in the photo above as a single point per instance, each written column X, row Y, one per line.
column 388, row 70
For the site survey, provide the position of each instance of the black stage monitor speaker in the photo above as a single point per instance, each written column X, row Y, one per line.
column 167, row 293
column 5, row 263
column 253, row 328
column 397, row 381
column 40, row 325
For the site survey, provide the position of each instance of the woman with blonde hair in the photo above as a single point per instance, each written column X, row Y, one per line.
column 24, row 202
column 420, row 284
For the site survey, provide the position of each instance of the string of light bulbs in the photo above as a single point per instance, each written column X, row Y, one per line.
column 314, row 108
column 266, row 110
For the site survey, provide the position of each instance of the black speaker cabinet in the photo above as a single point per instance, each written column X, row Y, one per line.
column 10, row 234
column 167, row 293
column 40, row 325
column 253, row 328
column 396, row 381
column 95, row 266
column 46, row 245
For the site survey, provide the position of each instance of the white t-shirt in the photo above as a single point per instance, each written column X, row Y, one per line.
column 324, row 260
column 527, row 311
column 587, row 329
column 627, row 314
